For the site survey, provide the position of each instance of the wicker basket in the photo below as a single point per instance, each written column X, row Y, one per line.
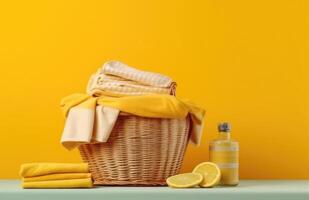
column 140, row 151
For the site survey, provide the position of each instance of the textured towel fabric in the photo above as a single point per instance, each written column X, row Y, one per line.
column 61, row 176
column 80, row 112
column 118, row 78
column 39, row 169
column 125, row 87
column 117, row 68
column 69, row 183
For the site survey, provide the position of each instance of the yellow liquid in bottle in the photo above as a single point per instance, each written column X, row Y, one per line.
column 225, row 153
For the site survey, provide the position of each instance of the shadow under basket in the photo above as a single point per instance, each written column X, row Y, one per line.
column 139, row 151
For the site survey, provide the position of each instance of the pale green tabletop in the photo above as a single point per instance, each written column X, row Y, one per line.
column 247, row 189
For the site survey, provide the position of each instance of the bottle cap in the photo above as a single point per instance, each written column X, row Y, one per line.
column 224, row 127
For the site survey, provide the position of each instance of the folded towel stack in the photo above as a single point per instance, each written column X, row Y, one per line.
column 116, row 78
column 55, row 175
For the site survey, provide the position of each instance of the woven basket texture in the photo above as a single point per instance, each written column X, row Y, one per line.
column 139, row 151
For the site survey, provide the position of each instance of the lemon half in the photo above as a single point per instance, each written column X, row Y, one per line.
column 210, row 172
column 184, row 180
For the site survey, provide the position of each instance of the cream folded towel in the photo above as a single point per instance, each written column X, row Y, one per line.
column 118, row 78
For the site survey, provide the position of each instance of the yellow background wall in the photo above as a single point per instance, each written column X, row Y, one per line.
column 244, row 61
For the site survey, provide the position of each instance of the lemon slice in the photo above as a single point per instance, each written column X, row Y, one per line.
column 210, row 172
column 184, row 180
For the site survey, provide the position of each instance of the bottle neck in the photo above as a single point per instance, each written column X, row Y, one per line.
column 224, row 135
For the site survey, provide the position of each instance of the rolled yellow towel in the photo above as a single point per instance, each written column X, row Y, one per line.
column 39, row 169
column 72, row 183
column 51, row 177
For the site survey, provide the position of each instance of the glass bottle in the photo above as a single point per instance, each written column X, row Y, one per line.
column 225, row 153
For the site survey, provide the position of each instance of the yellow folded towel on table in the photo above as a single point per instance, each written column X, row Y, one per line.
column 120, row 79
column 70, row 183
column 80, row 111
column 39, row 169
column 62, row 176
column 55, row 175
